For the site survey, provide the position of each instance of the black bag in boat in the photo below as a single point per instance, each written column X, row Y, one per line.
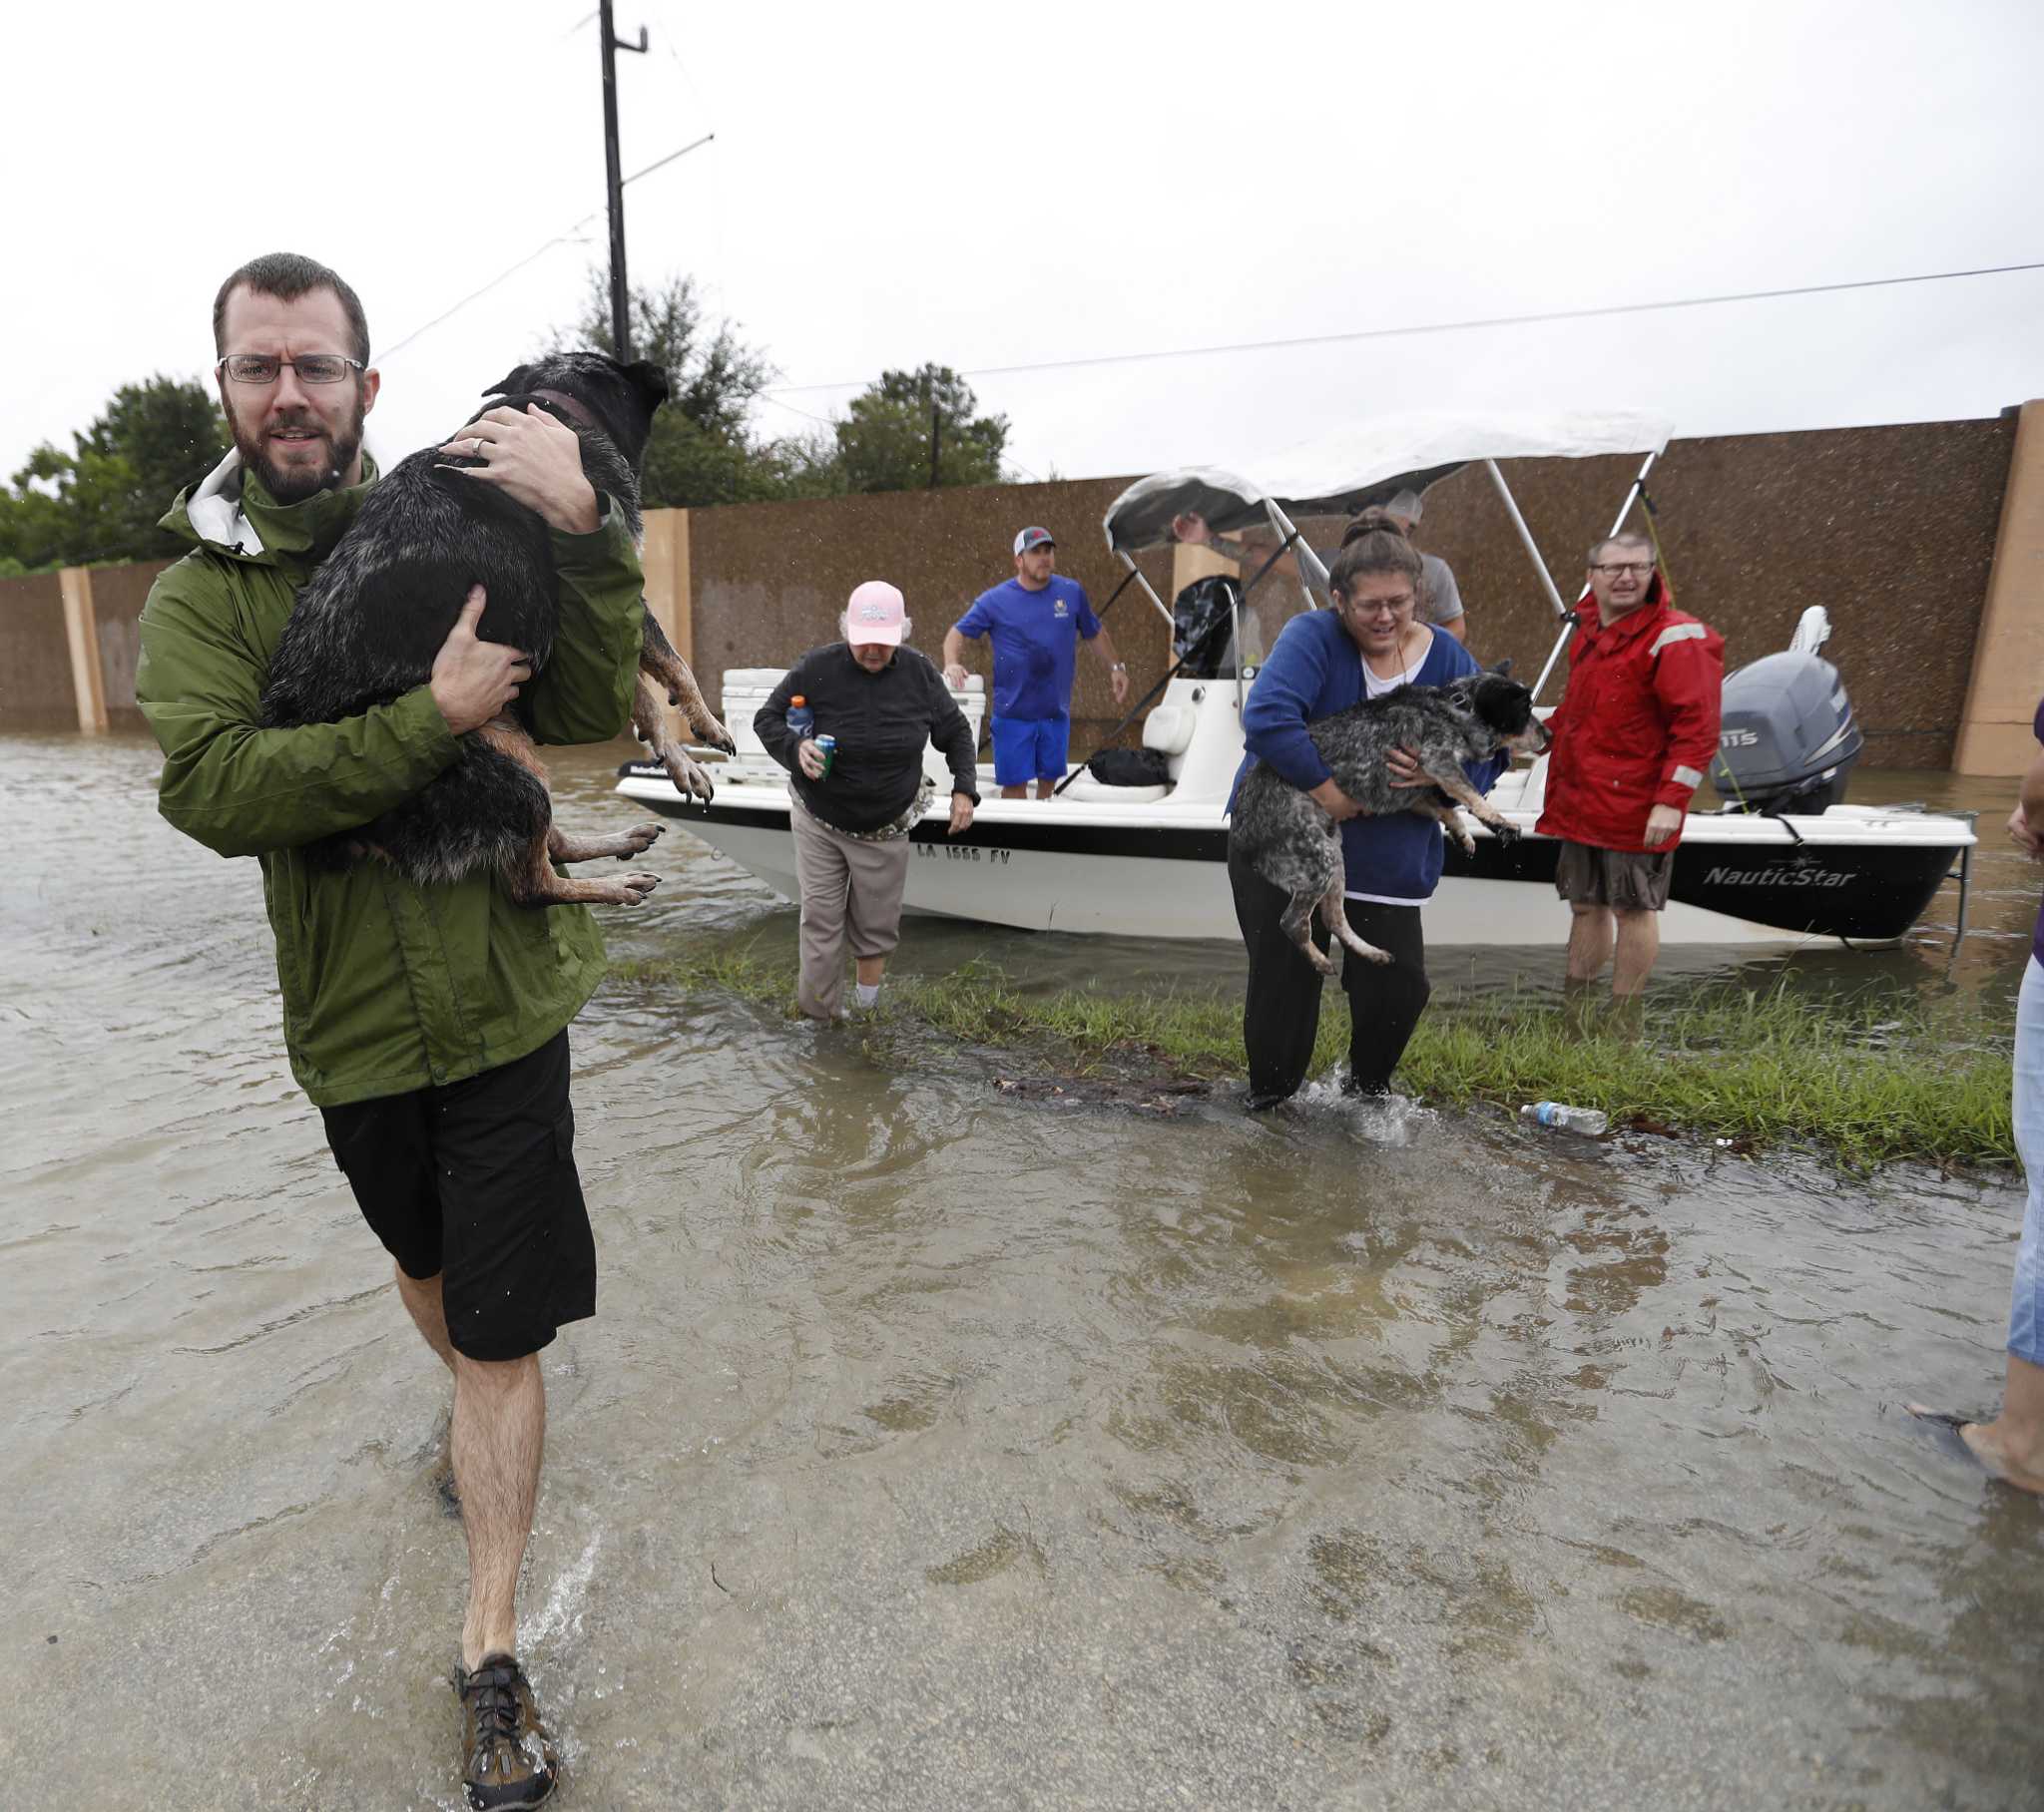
column 1130, row 767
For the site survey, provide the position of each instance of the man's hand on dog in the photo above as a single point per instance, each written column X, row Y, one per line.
column 473, row 679
column 534, row 459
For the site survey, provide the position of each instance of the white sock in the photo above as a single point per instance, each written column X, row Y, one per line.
column 867, row 995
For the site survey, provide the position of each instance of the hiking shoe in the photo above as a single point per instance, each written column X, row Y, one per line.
column 507, row 1757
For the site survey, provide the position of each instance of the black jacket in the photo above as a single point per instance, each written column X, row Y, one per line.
column 881, row 723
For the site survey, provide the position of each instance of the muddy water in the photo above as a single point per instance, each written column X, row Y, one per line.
column 938, row 1449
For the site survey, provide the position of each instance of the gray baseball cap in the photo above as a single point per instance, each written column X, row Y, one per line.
column 1034, row 538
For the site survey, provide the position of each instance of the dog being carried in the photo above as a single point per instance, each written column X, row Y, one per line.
column 366, row 630
column 1294, row 845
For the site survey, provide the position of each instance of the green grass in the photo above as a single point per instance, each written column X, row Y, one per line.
column 1864, row 1083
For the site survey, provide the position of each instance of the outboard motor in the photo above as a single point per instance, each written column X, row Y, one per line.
column 1788, row 740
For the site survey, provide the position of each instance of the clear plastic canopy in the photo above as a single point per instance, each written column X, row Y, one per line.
column 1349, row 468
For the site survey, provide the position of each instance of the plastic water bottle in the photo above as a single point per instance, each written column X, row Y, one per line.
column 801, row 722
column 826, row 746
column 1587, row 1120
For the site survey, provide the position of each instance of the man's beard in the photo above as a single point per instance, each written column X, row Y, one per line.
column 294, row 484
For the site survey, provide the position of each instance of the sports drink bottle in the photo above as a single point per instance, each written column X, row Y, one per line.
column 801, row 722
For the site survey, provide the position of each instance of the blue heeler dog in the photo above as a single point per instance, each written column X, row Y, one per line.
column 1296, row 845
column 366, row 628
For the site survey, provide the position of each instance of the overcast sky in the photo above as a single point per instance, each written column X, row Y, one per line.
column 994, row 187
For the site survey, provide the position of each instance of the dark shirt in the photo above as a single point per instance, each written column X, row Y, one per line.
column 881, row 723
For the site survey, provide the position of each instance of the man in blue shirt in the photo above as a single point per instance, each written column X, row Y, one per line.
column 1036, row 620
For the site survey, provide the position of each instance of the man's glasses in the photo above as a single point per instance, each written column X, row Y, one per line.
column 1377, row 606
column 1639, row 569
column 314, row 369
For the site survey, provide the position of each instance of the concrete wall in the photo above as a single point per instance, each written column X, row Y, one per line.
column 1891, row 528
column 768, row 580
column 1922, row 541
column 35, row 656
column 2008, row 658
column 118, row 594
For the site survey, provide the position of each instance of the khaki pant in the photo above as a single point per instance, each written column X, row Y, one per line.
column 850, row 898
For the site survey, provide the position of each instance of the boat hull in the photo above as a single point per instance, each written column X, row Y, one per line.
column 1052, row 868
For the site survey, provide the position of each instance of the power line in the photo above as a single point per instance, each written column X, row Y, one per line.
column 1468, row 327
column 566, row 237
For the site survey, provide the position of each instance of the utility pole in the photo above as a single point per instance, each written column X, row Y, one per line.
column 621, row 318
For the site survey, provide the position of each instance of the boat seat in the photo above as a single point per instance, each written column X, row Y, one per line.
column 1169, row 729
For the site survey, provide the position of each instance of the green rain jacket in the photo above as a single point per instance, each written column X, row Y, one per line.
column 387, row 987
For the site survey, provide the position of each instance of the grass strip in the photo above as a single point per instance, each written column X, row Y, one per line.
column 1864, row 1082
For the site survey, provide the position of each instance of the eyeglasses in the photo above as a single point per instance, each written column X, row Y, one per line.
column 1376, row 607
column 1639, row 569
column 261, row 368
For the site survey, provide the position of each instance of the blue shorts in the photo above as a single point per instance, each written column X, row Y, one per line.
column 1028, row 749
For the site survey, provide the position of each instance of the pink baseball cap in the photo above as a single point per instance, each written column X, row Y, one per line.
column 875, row 612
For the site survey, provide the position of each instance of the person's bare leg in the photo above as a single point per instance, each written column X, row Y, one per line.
column 421, row 1298
column 500, row 1420
column 2011, row 1446
column 1590, row 940
column 1580, row 1002
column 1015, row 792
column 870, row 969
column 1638, row 944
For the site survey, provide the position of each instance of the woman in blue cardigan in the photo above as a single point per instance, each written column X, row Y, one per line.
column 1367, row 645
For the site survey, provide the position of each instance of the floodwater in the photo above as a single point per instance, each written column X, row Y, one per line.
column 935, row 1448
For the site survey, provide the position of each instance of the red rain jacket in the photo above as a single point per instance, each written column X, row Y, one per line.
column 1637, row 724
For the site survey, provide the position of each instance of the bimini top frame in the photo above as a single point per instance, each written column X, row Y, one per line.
column 1350, row 469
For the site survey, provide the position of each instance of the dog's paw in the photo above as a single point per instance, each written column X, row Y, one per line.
column 635, row 887
column 1506, row 832
column 639, row 839
column 691, row 782
column 712, row 732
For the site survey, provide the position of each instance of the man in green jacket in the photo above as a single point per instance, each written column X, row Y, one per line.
column 427, row 1024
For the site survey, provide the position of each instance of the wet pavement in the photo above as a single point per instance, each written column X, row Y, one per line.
column 939, row 1448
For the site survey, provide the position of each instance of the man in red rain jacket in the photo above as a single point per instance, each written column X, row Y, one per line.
column 1633, row 738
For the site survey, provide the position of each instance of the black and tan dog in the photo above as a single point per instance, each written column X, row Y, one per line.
column 1292, row 843
column 367, row 628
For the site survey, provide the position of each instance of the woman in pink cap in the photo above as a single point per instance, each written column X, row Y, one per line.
column 851, row 816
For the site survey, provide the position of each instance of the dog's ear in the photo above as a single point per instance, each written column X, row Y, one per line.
column 1503, row 666
column 519, row 377
column 651, row 380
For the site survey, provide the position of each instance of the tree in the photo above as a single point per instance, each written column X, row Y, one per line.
column 885, row 442
column 102, row 499
column 704, row 448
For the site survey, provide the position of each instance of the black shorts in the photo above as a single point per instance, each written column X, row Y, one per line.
column 475, row 1183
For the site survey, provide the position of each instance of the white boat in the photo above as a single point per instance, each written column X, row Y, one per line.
column 1151, row 862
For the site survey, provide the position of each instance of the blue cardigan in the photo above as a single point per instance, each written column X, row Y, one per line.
column 1314, row 671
